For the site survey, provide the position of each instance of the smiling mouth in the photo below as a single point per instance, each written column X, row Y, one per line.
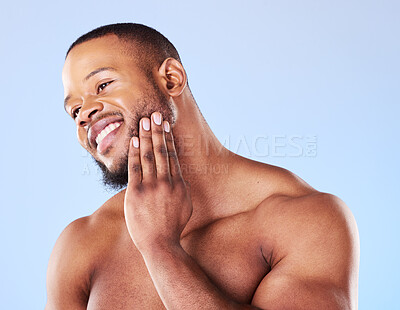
column 101, row 137
column 106, row 131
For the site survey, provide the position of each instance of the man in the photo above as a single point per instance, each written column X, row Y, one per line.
column 197, row 227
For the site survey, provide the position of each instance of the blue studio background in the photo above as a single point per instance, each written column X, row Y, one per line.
column 312, row 86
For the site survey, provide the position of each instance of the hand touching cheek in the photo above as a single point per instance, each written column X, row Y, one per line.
column 157, row 199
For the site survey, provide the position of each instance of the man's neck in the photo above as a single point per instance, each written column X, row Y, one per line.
column 205, row 163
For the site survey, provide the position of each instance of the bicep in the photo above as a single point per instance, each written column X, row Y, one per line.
column 315, row 260
column 287, row 291
column 66, row 281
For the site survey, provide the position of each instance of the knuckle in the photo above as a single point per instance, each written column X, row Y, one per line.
column 139, row 188
column 136, row 167
column 148, row 156
column 147, row 186
column 161, row 149
column 146, row 137
column 150, row 170
column 164, row 183
column 162, row 171
column 158, row 130
column 164, row 180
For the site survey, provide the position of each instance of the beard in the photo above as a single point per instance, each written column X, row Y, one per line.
column 115, row 180
column 153, row 101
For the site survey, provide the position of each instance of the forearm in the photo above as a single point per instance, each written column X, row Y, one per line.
column 180, row 282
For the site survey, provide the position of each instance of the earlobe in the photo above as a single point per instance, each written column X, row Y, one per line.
column 173, row 76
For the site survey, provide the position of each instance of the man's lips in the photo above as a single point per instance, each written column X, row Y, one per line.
column 106, row 138
column 98, row 126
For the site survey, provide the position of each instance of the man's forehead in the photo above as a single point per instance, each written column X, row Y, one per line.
column 106, row 51
column 108, row 42
column 98, row 49
column 83, row 64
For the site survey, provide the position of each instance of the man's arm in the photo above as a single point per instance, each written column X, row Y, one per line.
column 67, row 281
column 314, row 255
column 181, row 283
column 318, row 270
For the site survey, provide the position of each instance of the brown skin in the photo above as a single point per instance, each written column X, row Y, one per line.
column 246, row 236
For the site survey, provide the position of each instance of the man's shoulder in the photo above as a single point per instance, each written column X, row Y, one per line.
column 105, row 221
column 315, row 221
column 308, row 238
column 69, row 269
column 78, row 249
column 87, row 236
column 321, row 208
column 289, row 195
column 75, row 238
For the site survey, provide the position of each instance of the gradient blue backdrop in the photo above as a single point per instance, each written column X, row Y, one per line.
column 284, row 71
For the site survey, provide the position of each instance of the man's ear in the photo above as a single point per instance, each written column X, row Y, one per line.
column 173, row 77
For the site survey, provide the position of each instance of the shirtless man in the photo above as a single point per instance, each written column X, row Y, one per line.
column 197, row 227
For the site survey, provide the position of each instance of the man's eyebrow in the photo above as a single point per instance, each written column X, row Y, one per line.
column 66, row 101
column 98, row 71
column 94, row 72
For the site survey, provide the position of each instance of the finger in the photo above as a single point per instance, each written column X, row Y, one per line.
column 159, row 146
column 174, row 166
column 134, row 167
column 146, row 151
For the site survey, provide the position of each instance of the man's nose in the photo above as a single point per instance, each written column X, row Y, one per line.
column 88, row 110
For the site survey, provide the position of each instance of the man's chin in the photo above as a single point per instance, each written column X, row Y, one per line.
column 114, row 179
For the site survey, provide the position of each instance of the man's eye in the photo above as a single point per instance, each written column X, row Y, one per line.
column 102, row 86
column 75, row 113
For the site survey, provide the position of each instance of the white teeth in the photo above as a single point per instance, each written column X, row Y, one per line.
column 112, row 126
column 106, row 131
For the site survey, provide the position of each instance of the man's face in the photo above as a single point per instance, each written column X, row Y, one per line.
column 107, row 94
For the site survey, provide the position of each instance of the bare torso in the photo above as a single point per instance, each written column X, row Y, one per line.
column 227, row 250
column 255, row 246
column 224, row 250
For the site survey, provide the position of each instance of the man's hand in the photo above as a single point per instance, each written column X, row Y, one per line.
column 157, row 199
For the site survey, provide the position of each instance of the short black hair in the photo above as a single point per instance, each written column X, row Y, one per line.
column 152, row 45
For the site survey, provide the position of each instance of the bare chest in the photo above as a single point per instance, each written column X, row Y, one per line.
column 226, row 251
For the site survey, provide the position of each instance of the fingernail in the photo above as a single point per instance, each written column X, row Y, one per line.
column 135, row 142
column 166, row 126
column 146, row 124
column 157, row 118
